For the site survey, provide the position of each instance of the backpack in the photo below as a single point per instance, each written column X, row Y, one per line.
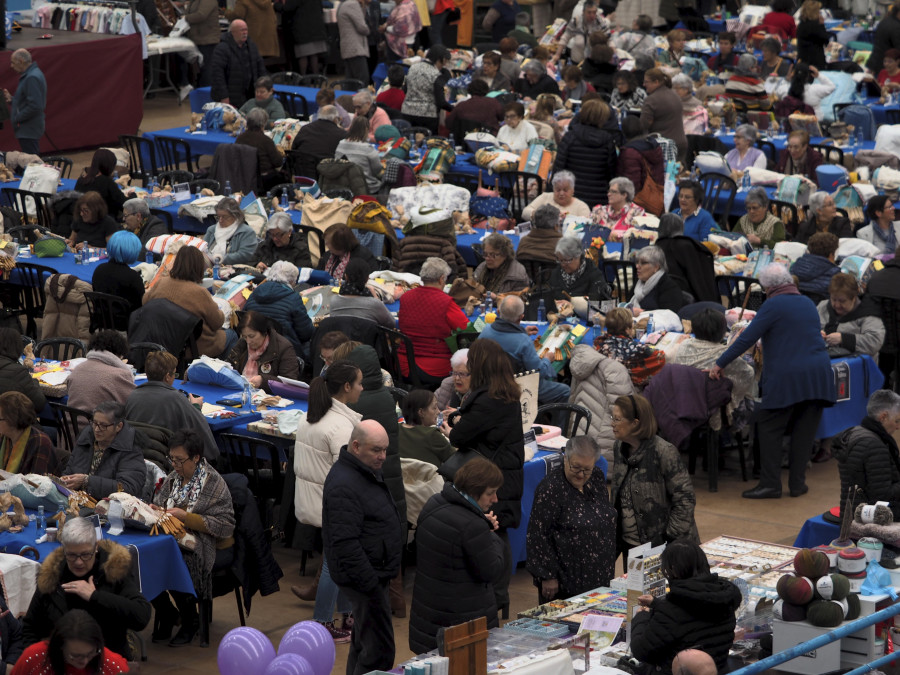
column 860, row 117
column 789, row 105
column 794, row 190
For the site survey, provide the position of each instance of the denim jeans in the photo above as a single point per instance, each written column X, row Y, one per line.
column 327, row 595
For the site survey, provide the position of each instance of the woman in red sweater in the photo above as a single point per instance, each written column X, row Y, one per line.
column 780, row 17
column 428, row 316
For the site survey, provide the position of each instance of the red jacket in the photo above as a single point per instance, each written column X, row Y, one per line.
column 631, row 162
column 783, row 21
column 428, row 316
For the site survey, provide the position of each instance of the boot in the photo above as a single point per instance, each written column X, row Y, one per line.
column 398, row 600
column 166, row 617
column 308, row 593
column 190, row 621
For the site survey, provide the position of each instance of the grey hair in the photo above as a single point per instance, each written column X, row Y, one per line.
column 78, row 532
column 625, row 185
column 772, row 44
column 328, row 112
column 682, row 81
column 283, row 271
column 112, row 409
column 582, row 446
column 362, row 96
column 280, row 221
column 816, row 201
column 231, row 207
column 747, row 63
column 545, row 217
column 757, row 196
column 434, row 269
column 883, row 400
column 564, row 176
column 653, row 255
column 775, row 274
column 670, row 225
column 534, row 66
column 747, row 132
column 257, row 119
column 22, row 55
column 459, row 357
column 136, row 205
column 511, row 308
column 569, row 247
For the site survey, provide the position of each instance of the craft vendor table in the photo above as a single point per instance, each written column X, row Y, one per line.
column 202, row 96
column 161, row 565
column 94, row 85
column 817, row 531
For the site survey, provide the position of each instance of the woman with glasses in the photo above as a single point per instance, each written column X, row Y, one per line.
column 343, row 246
column 562, row 197
column 282, row 243
column 655, row 289
column 453, row 388
column 759, row 225
column 262, row 355
column 883, row 229
column 198, row 496
column 574, row 276
column 572, row 532
column 698, row 222
column 92, row 226
column 75, row 646
column 651, row 490
column 419, row 437
column 104, row 375
column 230, row 240
column 84, row 573
column 798, row 157
column 516, row 133
column 823, row 217
column 500, row 272
column 620, row 212
column 106, row 457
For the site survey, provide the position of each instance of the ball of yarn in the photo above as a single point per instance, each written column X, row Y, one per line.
column 811, row 564
column 844, row 605
column 854, row 607
column 795, row 590
column 788, row 612
column 833, row 587
column 825, row 614
column 882, row 516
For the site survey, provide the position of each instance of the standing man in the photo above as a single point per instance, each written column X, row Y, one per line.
column 351, row 21
column 29, row 102
column 203, row 17
column 362, row 533
column 235, row 66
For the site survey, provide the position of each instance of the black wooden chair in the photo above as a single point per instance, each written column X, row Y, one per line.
column 64, row 164
column 398, row 394
column 317, row 81
column 832, row 154
column 166, row 217
column 141, row 157
column 31, row 297
column 314, row 238
column 69, row 421
column 295, row 105
column 348, row 84
column 260, row 462
column 515, row 187
column 138, row 351
column 893, row 115
column 206, row 183
column 770, row 151
column 399, row 343
column 736, row 288
column 107, row 312
column 566, row 416
column 34, row 207
column 463, row 180
column 175, row 153
column 412, row 131
column 175, row 177
column 715, row 187
column 287, row 77
column 622, row 274
column 60, row 349
column 788, row 213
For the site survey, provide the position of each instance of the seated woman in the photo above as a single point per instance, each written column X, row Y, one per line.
column 699, row 607
column 75, row 645
column 158, row 403
column 269, row 158
column 574, row 84
column 619, row 214
column 104, row 376
column 116, row 276
column 562, row 197
column 13, row 375
column 456, row 385
column 698, row 222
column 672, row 56
column 419, row 436
column 357, row 149
column 355, row 299
column 815, row 268
column 93, row 226
column 889, row 77
column 490, row 74
column 183, row 288
column 429, row 234
column 771, row 64
column 342, row 247
column 98, row 177
column 759, row 225
column 136, row 218
column 262, row 354
column 198, row 496
column 798, row 157
column 230, row 240
column 24, row 447
column 745, row 85
column 810, row 87
column 823, row 217
column 106, row 457
column 849, row 322
column 655, row 289
column 540, row 244
column 696, row 119
column 574, row 276
column 500, row 272
column 282, row 243
column 883, row 230
column 867, row 454
column 543, row 119
column 517, row 133
column 277, row 299
column 619, row 344
column 571, row 540
column 688, row 259
column 627, row 95
column 745, row 155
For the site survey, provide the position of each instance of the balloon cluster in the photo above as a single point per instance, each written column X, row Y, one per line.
column 306, row 649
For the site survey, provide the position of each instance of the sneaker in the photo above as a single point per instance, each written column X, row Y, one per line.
column 347, row 623
column 184, row 91
column 338, row 635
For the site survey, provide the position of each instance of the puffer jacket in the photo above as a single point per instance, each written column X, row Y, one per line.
column 296, row 252
column 813, row 274
column 459, row 558
column 868, row 459
column 234, row 71
column 337, row 174
column 631, row 160
column 316, row 450
column 696, row 613
column 282, row 304
column 589, row 153
column 862, row 329
column 66, row 313
column 377, row 403
column 494, row 429
column 122, row 468
column 411, row 252
column 15, row 377
column 597, row 381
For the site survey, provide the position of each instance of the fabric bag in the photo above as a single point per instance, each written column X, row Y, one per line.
column 213, row 371
column 49, row 247
column 650, row 196
column 536, row 159
column 794, row 190
column 35, row 490
column 40, row 178
column 711, row 162
column 321, row 214
column 805, row 122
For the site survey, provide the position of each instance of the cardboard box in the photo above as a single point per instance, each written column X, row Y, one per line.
column 787, row 634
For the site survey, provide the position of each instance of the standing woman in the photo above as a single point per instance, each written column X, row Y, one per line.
column 811, row 35
column 310, row 38
column 400, row 29
column 425, row 88
column 588, row 150
column 489, row 421
column 662, row 110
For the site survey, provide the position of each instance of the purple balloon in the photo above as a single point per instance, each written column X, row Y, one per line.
column 312, row 641
column 244, row 651
column 289, row 664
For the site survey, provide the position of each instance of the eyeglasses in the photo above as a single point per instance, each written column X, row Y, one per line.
column 81, row 657
column 177, row 462
column 511, row 116
column 492, row 256
column 566, row 261
column 83, row 557
column 227, row 216
column 793, row 146
column 617, row 420
column 579, row 471
column 458, row 375
column 641, row 262
column 100, row 425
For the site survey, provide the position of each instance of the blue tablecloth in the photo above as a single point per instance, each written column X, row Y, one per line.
column 64, row 265
column 817, row 531
column 865, row 378
column 161, row 565
column 202, row 96
column 200, row 143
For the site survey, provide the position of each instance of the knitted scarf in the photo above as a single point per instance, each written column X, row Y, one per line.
column 184, row 495
column 888, row 239
column 251, row 369
column 12, row 454
column 337, row 264
column 493, row 279
column 782, row 289
column 763, row 230
column 644, row 287
column 570, row 279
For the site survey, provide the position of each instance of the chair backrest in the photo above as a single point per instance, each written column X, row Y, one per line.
column 204, row 184
column 398, row 394
column 166, row 217
column 31, row 280
column 400, row 343
column 174, row 153
column 715, row 188
column 174, row 177
column 31, row 206
column 260, row 461
column 315, row 238
column 516, row 186
column 317, row 81
column 354, row 327
column 138, row 351
column 568, row 417
column 348, row 84
column 736, row 288
column 64, row 164
column 463, row 180
column 339, row 193
column 294, row 104
column 787, row 213
column 107, row 311
column 26, row 233
column 60, row 349
column 287, row 77
column 893, row 115
column 770, row 151
column 830, row 153
column 237, row 164
column 622, row 274
column 70, row 421
column 411, row 132
column 141, row 157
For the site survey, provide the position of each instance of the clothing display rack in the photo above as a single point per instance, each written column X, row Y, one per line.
column 87, row 16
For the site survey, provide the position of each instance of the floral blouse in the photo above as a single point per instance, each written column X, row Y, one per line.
column 617, row 221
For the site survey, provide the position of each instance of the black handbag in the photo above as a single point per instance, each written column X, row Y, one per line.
column 455, row 462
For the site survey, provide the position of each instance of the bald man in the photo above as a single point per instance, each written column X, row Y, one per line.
column 28, row 103
column 693, row 662
column 235, row 66
column 363, row 539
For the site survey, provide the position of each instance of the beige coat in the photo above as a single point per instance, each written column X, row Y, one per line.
column 353, row 29
column 203, row 16
column 261, row 23
column 66, row 313
column 316, row 450
column 197, row 300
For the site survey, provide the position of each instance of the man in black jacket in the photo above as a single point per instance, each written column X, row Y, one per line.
column 362, row 534
column 235, row 66
column 317, row 141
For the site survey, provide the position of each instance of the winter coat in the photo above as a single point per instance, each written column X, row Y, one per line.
column 10, row 635
column 631, row 160
column 308, row 22
column 329, row 263
column 102, row 377
column 107, row 188
column 812, row 37
column 868, row 459
column 16, row 377
column 887, row 36
column 696, row 613
column 377, row 403
column 316, row 450
column 283, row 304
column 590, row 154
column 665, row 295
column 840, row 227
column 862, row 330
column 493, row 428
column 653, row 478
column 591, row 284
column 240, row 248
column 597, row 381
column 813, row 274
column 122, row 468
column 279, row 359
column 362, row 530
column 813, row 160
column 544, row 85
column 163, row 322
column 420, row 98
column 362, row 307
column 428, row 316
column 516, row 277
column 196, row 300
column 692, row 261
column 203, row 16
column 261, row 24
column 413, row 250
column 233, row 70
column 341, row 174
column 314, row 142
column 120, row 280
column 66, row 313
column 539, row 245
column 662, row 114
column 459, row 558
column 29, row 103
column 354, row 32
column 117, row 604
column 296, row 251
column 885, row 283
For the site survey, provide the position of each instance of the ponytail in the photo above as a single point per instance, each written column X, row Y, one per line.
column 323, row 388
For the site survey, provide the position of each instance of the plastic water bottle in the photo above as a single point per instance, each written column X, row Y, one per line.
column 40, row 521
column 227, row 191
column 149, row 257
column 745, row 181
column 247, row 398
column 452, row 142
column 859, row 137
column 77, row 257
column 439, row 422
column 284, row 201
column 216, row 269
column 542, row 311
column 203, row 127
column 650, row 325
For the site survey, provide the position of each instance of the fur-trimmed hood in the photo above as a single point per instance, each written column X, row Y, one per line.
column 113, row 559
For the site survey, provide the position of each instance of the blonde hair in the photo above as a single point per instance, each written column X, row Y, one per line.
column 809, row 10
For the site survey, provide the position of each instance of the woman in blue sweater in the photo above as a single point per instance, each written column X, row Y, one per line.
column 698, row 222
column 796, row 380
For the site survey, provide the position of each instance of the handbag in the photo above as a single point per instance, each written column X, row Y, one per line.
column 49, row 247
column 650, row 196
column 456, row 461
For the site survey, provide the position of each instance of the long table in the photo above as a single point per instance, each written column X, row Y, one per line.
column 202, row 96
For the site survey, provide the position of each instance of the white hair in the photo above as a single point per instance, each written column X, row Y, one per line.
column 775, row 274
column 280, row 221
column 283, row 271
column 564, row 176
column 459, row 358
column 511, row 308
